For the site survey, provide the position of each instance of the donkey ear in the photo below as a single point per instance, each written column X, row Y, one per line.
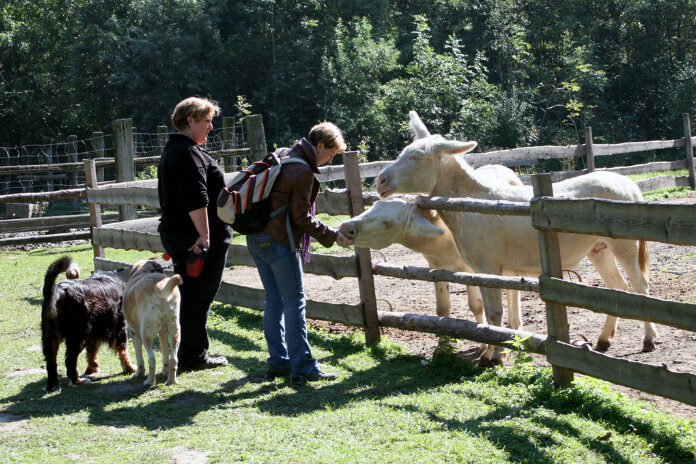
column 454, row 147
column 424, row 228
column 417, row 127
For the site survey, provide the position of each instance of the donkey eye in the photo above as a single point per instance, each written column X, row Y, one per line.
column 387, row 224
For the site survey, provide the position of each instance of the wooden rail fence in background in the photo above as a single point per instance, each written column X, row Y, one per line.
column 230, row 156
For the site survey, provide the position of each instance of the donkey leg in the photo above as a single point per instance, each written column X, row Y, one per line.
column 493, row 306
column 603, row 260
column 627, row 254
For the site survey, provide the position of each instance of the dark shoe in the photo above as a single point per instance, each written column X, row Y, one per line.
column 210, row 363
column 313, row 376
column 274, row 372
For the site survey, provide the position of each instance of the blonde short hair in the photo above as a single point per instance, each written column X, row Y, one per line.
column 329, row 134
column 197, row 107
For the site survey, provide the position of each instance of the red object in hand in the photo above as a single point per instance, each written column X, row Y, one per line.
column 194, row 264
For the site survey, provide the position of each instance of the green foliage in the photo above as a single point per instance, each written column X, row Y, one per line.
column 519, row 354
column 502, row 72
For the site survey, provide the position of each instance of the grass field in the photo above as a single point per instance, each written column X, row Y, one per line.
column 386, row 406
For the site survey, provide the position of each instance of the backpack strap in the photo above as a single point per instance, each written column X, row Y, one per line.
column 280, row 209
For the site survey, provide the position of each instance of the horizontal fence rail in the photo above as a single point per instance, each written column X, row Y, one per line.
column 617, row 219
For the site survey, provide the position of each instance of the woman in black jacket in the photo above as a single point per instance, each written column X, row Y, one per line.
column 189, row 182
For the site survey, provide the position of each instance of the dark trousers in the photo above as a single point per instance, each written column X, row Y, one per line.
column 197, row 294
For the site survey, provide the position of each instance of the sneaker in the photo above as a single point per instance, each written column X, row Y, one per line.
column 210, row 363
column 313, row 376
column 274, row 372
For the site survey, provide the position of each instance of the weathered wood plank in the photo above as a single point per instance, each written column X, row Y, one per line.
column 618, row 219
column 50, row 222
column 125, row 193
column 550, row 253
column 499, row 207
column 660, row 182
column 632, row 147
column 688, row 146
column 525, row 154
column 337, row 201
column 329, row 265
column 33, row 197
column 126, row 239
column 253, row 298
column 333, row 202
column 95, row 216
column 526, row 284
column 460, row 328
column 618, row 303
column 49, row 238
column 364, row 261
column 656, row 166
column 658, row 380
column 336, row 172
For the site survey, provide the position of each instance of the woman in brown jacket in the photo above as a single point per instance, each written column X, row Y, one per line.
column 278, row 261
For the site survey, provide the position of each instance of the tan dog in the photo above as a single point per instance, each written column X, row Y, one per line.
column 151, row 303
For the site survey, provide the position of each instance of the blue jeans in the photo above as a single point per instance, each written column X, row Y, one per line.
column 284, row 307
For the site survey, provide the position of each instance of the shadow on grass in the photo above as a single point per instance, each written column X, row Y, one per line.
column 392, row 373
column 522, row 441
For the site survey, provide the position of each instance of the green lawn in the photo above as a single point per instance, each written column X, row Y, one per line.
column 386, row 406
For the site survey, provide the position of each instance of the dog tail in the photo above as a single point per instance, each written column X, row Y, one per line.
column 49, row 290
column 167, row 286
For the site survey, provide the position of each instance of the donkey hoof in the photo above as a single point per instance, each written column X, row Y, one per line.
column 648, row 346
column 602, row 346
column 490, row 362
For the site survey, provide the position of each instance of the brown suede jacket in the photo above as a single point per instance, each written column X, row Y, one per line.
column 297, row 185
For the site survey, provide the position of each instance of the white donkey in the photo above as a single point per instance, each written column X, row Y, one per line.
column 423, row 231
column 508, row 244
column 398, row 221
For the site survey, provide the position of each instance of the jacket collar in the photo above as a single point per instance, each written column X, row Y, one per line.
column 178, row 137
column 306, row 150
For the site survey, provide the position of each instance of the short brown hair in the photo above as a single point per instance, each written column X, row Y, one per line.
column 329, row 134
column 197, row 107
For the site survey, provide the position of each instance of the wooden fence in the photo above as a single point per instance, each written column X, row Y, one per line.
column 640, row 221
column 662, row 222
column 230, row 155
column 124, row 164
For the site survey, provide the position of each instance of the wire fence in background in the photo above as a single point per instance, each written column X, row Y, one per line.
column 145, row 144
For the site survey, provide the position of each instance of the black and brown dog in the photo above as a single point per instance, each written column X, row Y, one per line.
column 85, row 314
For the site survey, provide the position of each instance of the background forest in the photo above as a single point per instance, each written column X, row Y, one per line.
column 506, row 73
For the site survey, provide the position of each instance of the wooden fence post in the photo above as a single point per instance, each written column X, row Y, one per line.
column 162, row 137
column 94, row 208
column 255, row 134
column 71, row 151
column 589, row 154
column 5, row 161
column 48, row 143
column 366, row 279
column 123, row 154
column 689, row 149
column 556, row 316
column 229, row 141
column 98, row 146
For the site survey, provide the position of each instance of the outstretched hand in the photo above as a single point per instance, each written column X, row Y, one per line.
column 343, row 240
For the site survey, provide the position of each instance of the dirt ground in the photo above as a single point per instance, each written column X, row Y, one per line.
column 672, row 277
